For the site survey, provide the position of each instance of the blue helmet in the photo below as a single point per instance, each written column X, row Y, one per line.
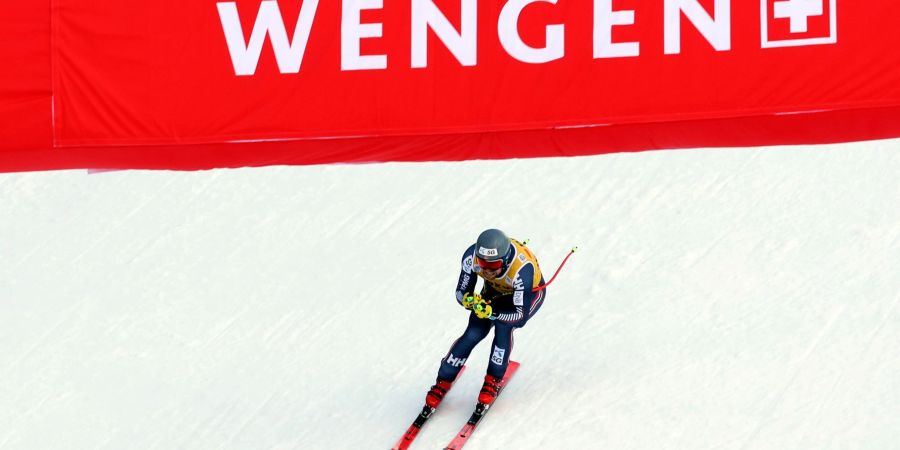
column 493, row 245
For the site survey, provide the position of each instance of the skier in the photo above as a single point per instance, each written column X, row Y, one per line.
column 507, row 301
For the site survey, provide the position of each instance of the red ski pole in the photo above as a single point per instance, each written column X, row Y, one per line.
column 544, row 286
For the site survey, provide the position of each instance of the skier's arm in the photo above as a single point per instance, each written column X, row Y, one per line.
column 467, row 278
column 523, row 296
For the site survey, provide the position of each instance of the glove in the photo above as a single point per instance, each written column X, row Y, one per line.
column 481, row 307
column 469, row 300
column 483, row 310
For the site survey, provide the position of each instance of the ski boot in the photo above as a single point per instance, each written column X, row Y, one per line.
column 437, row 392
column 490, row 390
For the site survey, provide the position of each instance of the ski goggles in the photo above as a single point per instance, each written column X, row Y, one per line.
column 489, row 265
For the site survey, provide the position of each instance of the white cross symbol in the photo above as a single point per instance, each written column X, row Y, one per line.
column 799, row 11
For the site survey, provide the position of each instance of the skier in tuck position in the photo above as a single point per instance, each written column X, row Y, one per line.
column 512, row 293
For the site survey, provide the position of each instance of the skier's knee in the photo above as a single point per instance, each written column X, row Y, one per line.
column 474, row 335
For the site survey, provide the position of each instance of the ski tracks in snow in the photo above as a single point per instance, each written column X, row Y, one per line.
column 767, row 413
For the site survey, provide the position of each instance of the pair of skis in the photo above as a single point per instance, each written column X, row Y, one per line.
column 463, row 436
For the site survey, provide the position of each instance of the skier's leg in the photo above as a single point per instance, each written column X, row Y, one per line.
column 476, row 330
column 501, row 350
column 456, row 357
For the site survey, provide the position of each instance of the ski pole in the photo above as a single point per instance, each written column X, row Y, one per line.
column 544, row 286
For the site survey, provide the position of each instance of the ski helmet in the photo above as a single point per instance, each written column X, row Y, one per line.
column 492, row 245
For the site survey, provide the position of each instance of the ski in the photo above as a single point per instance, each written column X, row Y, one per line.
column 419, row 422
column 481, row 410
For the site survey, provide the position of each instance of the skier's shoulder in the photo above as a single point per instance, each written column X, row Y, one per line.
column 524, row 260
column 522, row 257
column 523, row 252
column 468, row 258
column 469, row 253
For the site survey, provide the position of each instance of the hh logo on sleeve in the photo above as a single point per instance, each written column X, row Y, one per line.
column 787, row 23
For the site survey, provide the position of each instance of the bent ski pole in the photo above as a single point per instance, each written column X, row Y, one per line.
column 563, row 263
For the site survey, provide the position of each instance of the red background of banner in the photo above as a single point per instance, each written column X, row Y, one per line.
column 150, row 84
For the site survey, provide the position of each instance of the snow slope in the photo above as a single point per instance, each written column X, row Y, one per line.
column 720, row 299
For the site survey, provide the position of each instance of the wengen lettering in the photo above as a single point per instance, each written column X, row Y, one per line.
column 462, row 42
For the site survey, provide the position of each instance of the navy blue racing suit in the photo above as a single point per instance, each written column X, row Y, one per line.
column 514, row 303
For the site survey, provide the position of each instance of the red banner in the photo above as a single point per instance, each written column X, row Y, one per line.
column 376, row 80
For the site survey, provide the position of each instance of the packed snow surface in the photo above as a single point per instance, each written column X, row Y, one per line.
column 719, row 299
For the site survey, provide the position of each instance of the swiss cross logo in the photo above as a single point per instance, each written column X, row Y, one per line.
column 787, row 23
